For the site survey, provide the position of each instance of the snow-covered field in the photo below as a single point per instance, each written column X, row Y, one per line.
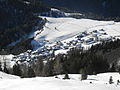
column 99, row 82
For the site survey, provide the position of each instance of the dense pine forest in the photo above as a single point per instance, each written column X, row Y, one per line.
column 17, row 20
column 92, row 9
column 101, row 7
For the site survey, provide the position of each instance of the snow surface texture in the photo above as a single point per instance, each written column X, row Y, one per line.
column 98, row 82
column 4, row 76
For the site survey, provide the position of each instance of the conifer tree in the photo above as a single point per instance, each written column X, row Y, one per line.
column 38, row 67
column 112, row 69
column 0, row 67
column 31, row 72
column 17, row 70
column 110, row 80
column 48, row 69
column 66, row 76
column 58, row 67
column 5, row 68
column 83, row 73
column 119, row 70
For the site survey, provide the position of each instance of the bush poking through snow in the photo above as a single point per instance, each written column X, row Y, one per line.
column 118, row 82
column 66, row 76
column 56, row 76
column 110, row 80
column 83, row 73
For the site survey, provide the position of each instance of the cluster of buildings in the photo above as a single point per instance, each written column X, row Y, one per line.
column 79, row 41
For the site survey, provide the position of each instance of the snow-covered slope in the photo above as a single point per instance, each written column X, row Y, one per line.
column 58, row 29
column 7, row 76
column 64, row 33
column 98, row 82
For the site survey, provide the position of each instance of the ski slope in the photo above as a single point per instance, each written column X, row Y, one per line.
column 99, row 82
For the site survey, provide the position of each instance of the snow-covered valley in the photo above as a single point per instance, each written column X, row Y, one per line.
column 96, row 82
column 57, row 49
column 61, row 34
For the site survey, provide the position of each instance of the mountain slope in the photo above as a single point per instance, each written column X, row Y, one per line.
column 18, row 20
column 101, row 7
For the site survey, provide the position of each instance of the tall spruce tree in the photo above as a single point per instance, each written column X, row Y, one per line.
column 38, row 67
column 66, row 76
column 58, row 67
column 17, row 70
column 48, row 69
column 31, row 72
column 5, row 68
column 83, row 73
column 0, row 67
column 110, row 80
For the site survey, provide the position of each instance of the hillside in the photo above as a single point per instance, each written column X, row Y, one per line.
column 100, row 7
column 18, row 20
column 4, row 76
